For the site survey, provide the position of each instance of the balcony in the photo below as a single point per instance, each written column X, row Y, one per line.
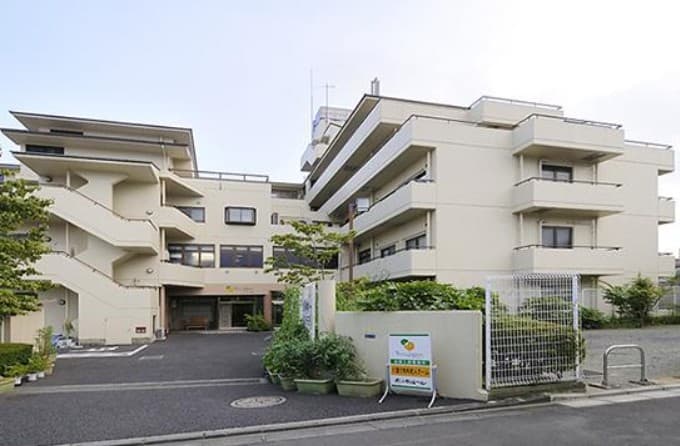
column 401, row 205
column 666, row 264
column 666, row 210
column 568, row 139
column 181, row 275
column 582, row 197
column 660, row 155
column 588, row 260
column 177, row 224
column 404, row 263
column 506, row 112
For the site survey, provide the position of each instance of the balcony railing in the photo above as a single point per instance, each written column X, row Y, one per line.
column 649, row 145
column 221, row 176
column 516, row 102
column 609, row 125
column 602, row 248
column 595, row 183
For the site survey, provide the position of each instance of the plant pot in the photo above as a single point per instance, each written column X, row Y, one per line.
column 32, row 377
column 368, row 388
column 18, row 380
column 315, row 386
column 6, row 384
column 41, row 374
column 49, row 370
column 275, row 379
column 287, row 383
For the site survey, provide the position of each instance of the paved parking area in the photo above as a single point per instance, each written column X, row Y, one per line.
column 661, row 345
column 183, row 384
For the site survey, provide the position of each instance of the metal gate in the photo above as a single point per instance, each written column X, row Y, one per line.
column 532, row 330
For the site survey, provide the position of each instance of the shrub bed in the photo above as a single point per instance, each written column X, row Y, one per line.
column 13, row 354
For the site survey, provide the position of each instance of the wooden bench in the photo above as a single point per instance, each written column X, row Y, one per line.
column 198, row 322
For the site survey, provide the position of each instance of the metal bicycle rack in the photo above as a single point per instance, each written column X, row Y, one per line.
column 642, row 364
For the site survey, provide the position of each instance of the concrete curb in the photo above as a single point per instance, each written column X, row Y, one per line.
column 613, row 392
column 324, row 422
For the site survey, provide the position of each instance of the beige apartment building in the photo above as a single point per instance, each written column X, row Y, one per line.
column 144, row 243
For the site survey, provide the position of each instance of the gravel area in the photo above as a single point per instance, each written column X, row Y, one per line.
column 661, row 345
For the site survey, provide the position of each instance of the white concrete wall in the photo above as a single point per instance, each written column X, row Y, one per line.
column 456, row 344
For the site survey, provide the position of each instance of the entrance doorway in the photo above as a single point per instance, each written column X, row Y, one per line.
column 218, row 312
column 233, row 310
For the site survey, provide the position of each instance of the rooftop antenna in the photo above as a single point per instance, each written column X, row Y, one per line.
column 327, row 86
column 375, row 87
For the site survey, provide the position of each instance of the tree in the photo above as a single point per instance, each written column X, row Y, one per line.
column 23, row 227
column 309, row 251
column 634, row 300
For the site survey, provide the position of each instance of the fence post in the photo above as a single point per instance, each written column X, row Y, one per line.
column 487, row 340
column 576, row 323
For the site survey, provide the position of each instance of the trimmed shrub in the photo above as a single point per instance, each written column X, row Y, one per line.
column 257, row 322
column 558, row 346
column 419, row 295
column 592, row 318
column 13, row 354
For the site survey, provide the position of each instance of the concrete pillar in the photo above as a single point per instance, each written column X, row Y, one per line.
column 325, row 305
column 267, row 306
column 162, row 310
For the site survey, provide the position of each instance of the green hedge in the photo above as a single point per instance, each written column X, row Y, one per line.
column 11, row 354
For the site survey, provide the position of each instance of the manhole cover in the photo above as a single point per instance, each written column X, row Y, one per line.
column 256, row 402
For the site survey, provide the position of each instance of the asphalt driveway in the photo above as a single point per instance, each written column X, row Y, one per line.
column 183, row 384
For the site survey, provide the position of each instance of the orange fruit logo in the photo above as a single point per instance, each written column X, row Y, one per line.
column 408, row 345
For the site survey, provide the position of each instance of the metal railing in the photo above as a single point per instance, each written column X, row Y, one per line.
column 221, row 176
column 594, row 183
column 610, row 125
column 666, row 198
column 642, row 364
column 593, row 247
column 515, row 102
column 651, row 145
column 101, row 205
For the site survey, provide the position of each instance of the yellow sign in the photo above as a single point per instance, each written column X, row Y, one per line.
column 415, row 371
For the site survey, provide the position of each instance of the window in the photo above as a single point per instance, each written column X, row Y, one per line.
column 364, row 256
column 556, row 173
column 51, row 150
column 240, row 256
column 275, row 218
column 293, row 194
column 556, row 236
column 202, row 256
column 195, row 213
column 416, row 242
column 289, row 257
column 388, row 251
column 239, row 216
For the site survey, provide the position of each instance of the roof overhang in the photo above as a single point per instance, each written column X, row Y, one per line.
column 58, row 165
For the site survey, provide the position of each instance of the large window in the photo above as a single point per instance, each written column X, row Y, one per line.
column 195, row 213
column 388, row 251
column 240, row 256
column 239, row 216
column 557, row 173
column 193, row 255
column 416, row 242
column 556, row 236
column 364, row 256
column 51, row 150
column 289, row 257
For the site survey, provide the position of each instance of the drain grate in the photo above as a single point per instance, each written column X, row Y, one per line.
column 257, row 402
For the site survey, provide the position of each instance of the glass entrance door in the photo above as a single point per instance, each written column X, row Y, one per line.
column 226, row 310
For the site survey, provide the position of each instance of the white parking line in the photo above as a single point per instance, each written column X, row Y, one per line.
column 102, row 354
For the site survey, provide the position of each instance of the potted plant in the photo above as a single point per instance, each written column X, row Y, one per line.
column 350, row 376
column 330, row 354
column 46, row 350
column 17, row 371
column 291, row 362
column 38, row 364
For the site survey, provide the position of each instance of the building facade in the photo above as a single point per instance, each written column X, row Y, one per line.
column 144, row 243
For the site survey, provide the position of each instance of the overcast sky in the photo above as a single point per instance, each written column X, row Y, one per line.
column 238, row 72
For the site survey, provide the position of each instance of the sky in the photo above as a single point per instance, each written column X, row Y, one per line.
column 238, row 72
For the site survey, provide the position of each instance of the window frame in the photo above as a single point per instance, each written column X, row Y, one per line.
column 240, row 208
column 364, row 256
column 416, row 239
column 554, row 170
column 199, row 250
column 554, row 229
column 388, row 251
column 249, row 250
column 183, row 210
column 43, row 149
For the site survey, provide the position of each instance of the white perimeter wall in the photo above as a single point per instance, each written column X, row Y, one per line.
column 456, row 344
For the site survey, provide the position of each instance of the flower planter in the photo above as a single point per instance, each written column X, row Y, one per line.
column 41, row 374
column 6, row 384
column 18, row 380
column 315, row 386
column 50, row 369
column 32, row 377
column 287, row 383
column 362, row 389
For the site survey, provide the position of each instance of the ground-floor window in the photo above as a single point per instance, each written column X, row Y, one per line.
column 213, row 312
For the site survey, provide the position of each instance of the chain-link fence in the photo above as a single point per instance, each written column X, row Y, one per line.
column 532, row 330
column 670, row 302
